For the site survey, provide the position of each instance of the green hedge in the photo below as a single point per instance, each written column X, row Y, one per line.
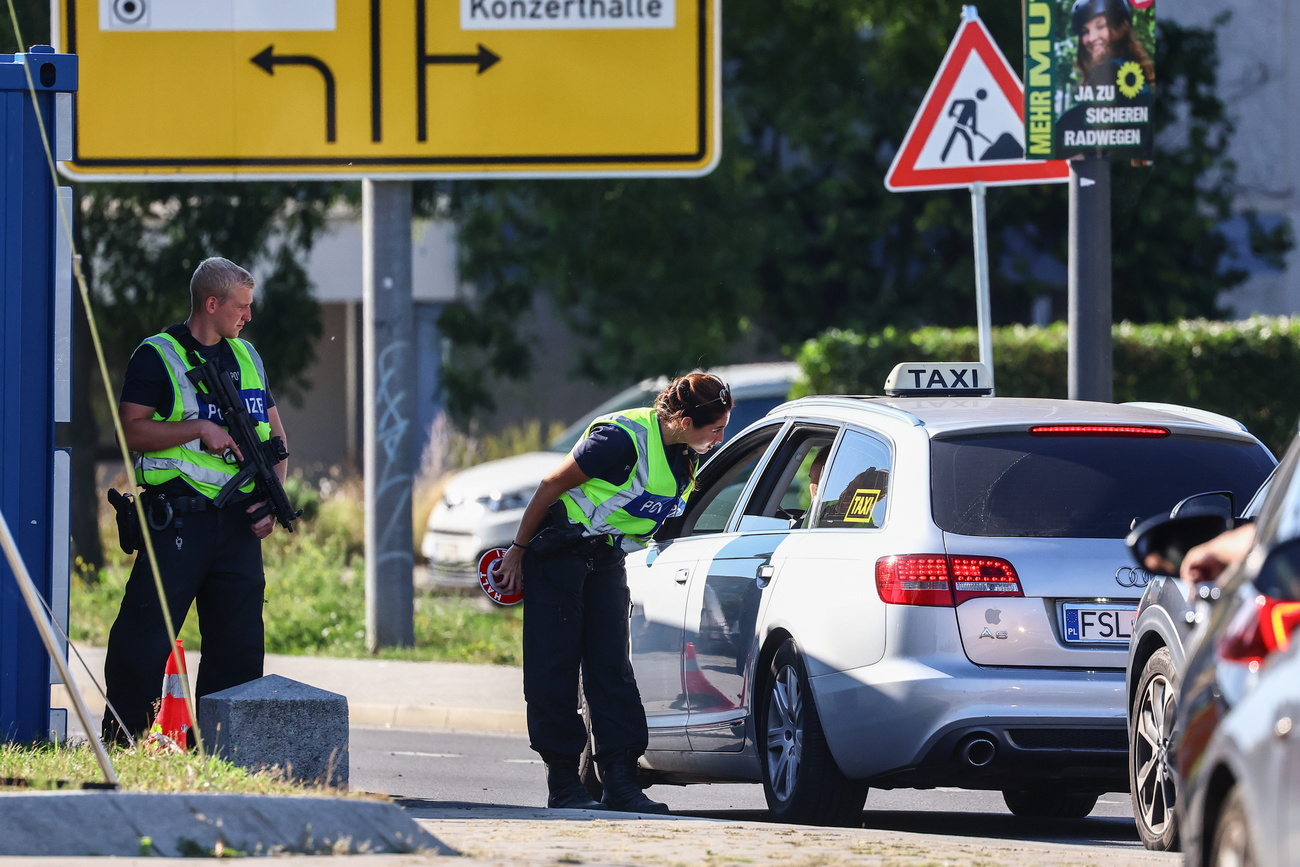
column 1247, row 370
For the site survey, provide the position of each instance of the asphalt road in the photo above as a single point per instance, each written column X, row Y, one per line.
column 499, row 770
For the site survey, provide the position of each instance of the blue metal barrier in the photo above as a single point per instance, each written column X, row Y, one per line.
column 32, row 395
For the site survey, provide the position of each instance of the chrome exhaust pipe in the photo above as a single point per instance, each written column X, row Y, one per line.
column 978, row 751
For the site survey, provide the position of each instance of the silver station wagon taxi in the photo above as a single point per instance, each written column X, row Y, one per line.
column 926, row 588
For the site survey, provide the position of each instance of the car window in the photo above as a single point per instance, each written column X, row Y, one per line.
column 1018, row 484
column 855, row 486
column 722, row 480
column 785, row 490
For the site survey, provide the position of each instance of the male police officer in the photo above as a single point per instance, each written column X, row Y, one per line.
column 182, row 457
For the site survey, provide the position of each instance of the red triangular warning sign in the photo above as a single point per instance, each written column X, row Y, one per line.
column 971, row 125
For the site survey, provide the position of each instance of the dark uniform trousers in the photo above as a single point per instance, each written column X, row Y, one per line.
column 215, row 559
column 577, row 620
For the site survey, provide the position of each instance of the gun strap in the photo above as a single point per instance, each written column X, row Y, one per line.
column 181, row 332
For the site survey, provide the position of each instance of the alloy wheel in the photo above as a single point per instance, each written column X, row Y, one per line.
column 784, row 732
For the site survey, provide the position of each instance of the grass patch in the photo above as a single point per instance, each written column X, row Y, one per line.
column 47, row 766
column 315, row 593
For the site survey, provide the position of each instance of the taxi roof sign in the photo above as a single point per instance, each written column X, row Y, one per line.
column 939, row 379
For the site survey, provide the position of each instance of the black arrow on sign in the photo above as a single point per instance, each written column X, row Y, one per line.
column 484, row 58
column 268, row 60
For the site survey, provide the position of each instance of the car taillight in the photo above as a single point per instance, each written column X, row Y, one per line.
column 1097, row 430
column 1259, row 630
column 984, row 576
column 939, row 580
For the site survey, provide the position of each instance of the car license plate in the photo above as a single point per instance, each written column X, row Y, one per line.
column 451, row 550
column 1094, row 624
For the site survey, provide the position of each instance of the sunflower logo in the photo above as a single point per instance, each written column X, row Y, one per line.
column 1130, row 79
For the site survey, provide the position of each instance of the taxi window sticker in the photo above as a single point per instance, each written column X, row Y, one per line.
column 862, row 505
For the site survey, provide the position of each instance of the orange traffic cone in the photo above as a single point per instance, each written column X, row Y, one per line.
column 696, row 684
column 173, row 714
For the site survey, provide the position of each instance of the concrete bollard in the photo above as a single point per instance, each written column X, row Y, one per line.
column 278, row 722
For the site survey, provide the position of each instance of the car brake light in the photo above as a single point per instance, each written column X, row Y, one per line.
column 1097, row 430
column 1259, row 630
column 984, row 576
column 938, row 580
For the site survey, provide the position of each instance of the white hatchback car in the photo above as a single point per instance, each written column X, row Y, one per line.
column 943, row 603
column 481, row 506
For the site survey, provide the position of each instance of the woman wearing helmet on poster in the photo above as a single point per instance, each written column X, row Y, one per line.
column 1109, row 52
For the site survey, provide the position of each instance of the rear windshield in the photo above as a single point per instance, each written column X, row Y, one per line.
column 1015, row 484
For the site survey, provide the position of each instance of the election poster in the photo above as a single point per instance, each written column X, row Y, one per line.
column 1090, row 78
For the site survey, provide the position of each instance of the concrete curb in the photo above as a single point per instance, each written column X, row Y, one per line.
column 127, row 824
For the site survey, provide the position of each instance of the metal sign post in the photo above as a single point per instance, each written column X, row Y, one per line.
column 389, row 413
column 1091, row 365
column 979, row 224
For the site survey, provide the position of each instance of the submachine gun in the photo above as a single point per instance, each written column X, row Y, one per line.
column 260, row 457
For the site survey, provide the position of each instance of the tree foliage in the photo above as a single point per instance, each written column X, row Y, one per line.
column 794, row 231
column 1223, row 367
column 141, row 242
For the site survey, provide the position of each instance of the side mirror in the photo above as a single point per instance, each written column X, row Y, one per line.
column 1160, row 543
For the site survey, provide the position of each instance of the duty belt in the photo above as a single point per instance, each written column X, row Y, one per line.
column 163, row 511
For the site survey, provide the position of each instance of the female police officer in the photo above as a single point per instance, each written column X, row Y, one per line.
column 633, row 470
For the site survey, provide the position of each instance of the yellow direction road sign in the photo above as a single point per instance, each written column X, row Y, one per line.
column 188, row 89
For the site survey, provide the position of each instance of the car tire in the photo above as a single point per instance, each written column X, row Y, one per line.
column 1153, row 785
column 1039, row 804
column 801, row 781
column 1232, row 846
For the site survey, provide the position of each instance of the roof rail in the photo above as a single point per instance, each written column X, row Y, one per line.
column 854, row 401
column 1214, row 418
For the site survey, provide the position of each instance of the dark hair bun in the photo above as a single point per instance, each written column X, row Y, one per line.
column 701, row 397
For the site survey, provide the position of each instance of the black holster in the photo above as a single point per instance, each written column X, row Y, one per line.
column 557, row 534
column 128, row 521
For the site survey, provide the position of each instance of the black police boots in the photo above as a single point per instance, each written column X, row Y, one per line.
column 565, row 790
column 622, row 792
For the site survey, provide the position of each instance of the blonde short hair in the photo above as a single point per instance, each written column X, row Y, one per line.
column 216, row 277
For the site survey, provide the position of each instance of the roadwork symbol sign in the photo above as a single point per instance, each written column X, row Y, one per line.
column 970, row 127
column 219, row 89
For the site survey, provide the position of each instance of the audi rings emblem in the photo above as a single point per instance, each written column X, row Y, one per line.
column 1130, row 576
